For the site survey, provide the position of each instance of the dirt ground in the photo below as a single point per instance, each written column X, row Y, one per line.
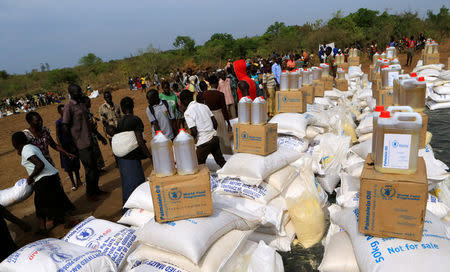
column 11, row 170
column 108, row 207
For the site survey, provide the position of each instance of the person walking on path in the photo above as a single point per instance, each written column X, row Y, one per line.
column 76, row 124
column 130, row 166
column 203, row 125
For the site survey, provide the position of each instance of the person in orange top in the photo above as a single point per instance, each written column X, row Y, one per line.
column 409, row 54
column 291, row 63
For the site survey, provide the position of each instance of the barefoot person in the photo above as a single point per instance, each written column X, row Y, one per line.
column 70, row 165
column 49, row 196
column 76, row 124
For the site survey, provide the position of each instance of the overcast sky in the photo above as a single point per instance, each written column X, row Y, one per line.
column 60, row 32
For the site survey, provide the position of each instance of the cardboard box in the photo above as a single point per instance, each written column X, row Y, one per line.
column 393, row 205
column 308, row 93
column 448, row 63
column 328, row 83
column 384, row 97
column 423, row 133
column 342, row 85
column 376, row 84
column 287, row 101
column 353, row 61
column 431, row 59
column 371, row 70
column 319, row 89
column 180, row 197
column 255, row 139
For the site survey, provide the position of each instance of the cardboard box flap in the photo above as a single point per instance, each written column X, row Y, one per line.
column 370, row 173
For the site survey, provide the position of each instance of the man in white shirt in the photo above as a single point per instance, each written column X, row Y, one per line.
column 202, row 125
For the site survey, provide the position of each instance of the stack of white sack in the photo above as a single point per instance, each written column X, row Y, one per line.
column 252, row 257
column 430, row 72
column 328, row 156
column 57, row 255
column 92, row 245
column 111, row 239
column 178, row 245
column 348, row 250
column 438, row 94
column 268, row 188
column 17, row 193
column 197, row 244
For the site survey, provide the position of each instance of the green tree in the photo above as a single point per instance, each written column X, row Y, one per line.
column 59, row 78
column 90, row 59
column 275, row 29
column 186, row 43
column 440, row 22
column 4, row 74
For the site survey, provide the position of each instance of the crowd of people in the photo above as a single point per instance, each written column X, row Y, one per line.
column 14, row 105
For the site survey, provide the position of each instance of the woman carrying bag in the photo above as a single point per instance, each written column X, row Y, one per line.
column 128, row 145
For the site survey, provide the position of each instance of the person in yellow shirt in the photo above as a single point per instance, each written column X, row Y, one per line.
column 144, row 84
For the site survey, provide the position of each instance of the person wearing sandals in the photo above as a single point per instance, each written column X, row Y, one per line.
column 70, row 165
column 49, row 196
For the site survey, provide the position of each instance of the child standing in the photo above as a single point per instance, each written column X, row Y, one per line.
column 71, row 166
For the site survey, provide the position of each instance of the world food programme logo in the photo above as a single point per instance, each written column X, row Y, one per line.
column 93, row 245
column 284, row 99
column 388, row 191
column 175, row 194
column 244, row 135
column 85, row 234
column 59, row 257
column 395, row 144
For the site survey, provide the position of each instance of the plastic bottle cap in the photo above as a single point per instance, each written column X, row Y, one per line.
column 181, row 129
column 384, row 66
column 385, row 114
column 379, row 108
column 284, row 71
column 413, row 74
column 262, row 97
column 248, row 97
column 421, row 78
column 157, row 132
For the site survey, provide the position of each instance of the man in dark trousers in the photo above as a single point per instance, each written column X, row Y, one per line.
column 77, row 125
column 202, row 125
